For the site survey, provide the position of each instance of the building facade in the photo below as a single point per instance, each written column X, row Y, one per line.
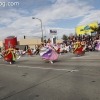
column 31, row 42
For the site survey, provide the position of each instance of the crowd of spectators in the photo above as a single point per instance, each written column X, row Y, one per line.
column 67, row 45
column 88, row 39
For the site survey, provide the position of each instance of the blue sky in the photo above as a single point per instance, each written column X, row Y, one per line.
column 61, row 15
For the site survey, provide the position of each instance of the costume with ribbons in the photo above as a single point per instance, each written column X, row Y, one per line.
column 10, row 55
column 78, row 48
column 29, row 52
column 97, row 45
column 48, row 53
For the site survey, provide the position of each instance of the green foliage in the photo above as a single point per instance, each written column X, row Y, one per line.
column 64, row 37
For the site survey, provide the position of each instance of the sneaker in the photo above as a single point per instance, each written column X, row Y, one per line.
column 19, row 57
column 10, row 62
column 51, row 62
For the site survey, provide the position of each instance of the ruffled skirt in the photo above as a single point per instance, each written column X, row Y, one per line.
column 49, row 54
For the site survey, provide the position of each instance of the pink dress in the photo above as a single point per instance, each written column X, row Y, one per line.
column 97, row 47
column 48, row 53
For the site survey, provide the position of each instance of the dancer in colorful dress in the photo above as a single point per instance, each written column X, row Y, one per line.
column 83, row 43
column 97, row 44
column 29, row 51
column 48, row 52
column 19, row 53
column 78, row 48
column 3, row 53
column 10, row 55
column 57, row 48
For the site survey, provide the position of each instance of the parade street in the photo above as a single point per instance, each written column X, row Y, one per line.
column 68, row 78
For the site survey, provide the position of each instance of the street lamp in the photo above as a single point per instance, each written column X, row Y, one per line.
column 41, row 26
column 44, row 31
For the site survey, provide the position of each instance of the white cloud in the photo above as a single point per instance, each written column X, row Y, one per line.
column 12, row 13
column 5, row 20
column 63, row 10
column 93, row 16
column 19, row 22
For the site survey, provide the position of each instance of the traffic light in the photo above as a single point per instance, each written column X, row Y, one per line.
column 24, row 37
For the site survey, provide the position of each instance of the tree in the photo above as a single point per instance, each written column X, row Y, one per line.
column 64, row 37
column 71, row 34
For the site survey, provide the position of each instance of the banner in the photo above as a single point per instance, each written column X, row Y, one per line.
column 53, row 32
column 82, row 30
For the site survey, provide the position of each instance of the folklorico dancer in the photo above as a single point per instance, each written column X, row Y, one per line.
column 48, row 52
column 20, row 53
column 83, row 43
column 10, row 55
column 97, row 44
column 78, row 48
column 57, row 48
column 29, row 51
column 3, row 53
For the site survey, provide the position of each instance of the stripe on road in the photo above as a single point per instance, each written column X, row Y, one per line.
column 8, row 64
column 48, row 68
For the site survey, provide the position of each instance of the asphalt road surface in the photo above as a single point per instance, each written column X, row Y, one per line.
column 68, row 78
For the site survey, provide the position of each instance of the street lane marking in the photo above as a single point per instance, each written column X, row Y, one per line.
column 48, row 68
column 56, row 69
column 8, row 64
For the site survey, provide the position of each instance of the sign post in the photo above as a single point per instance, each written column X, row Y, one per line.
column 53, row 32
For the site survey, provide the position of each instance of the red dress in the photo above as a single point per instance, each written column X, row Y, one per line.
column 9, row 55
column 29, row 52
column 78, row 48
